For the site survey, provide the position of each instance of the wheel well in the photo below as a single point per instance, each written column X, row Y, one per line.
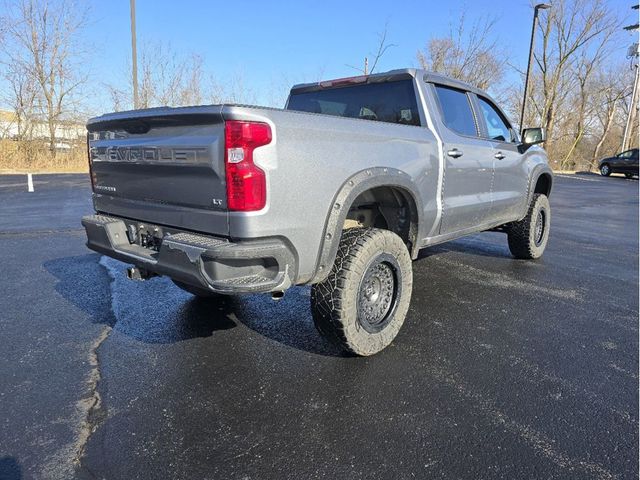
column 543, row 185
column 388, row 208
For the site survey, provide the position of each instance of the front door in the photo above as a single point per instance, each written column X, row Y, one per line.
column 509, row 172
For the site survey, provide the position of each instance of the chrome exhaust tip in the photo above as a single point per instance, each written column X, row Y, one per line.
column 133, row 273
column 139, row 274
column 277, row 296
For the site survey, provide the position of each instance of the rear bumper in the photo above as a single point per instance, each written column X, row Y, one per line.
column 213, row 263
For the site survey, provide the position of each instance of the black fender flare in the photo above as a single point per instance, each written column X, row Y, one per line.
column 535, row 175
column 355, row 185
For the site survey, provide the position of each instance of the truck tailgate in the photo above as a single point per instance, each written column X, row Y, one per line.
column 161, row 165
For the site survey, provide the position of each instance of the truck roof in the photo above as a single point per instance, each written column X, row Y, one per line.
column 391, row 75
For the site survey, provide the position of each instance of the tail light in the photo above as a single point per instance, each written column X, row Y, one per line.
column 246, row 182
column 343, row 81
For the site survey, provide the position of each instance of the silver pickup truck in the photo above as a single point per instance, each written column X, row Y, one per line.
column 339, row 190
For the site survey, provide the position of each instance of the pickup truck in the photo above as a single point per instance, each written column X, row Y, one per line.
column 339, row 190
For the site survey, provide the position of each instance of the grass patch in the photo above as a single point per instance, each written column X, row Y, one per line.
column 35, row 157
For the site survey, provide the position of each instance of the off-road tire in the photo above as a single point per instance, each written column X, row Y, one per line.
column 605, row 170
column 525, row 239
column 197, row 291
column 346, row 308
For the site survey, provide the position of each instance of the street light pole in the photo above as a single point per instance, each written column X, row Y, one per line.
column 634, row 54
column 134, row 53
column 540, row 6
column 633, row 107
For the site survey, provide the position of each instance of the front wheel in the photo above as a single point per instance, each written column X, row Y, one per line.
column 528, row 237
column 363, row 302
column 605, row 170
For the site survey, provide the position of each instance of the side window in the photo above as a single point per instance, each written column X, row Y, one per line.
column 497, row 126
column 626, row 154
column 456, row 110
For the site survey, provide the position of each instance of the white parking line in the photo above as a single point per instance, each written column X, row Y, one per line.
column 576, row 177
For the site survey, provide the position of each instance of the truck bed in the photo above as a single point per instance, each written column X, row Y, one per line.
column 187, row 189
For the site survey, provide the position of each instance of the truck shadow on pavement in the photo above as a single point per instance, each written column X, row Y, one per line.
column 287, row 321
column 484, row 244
column 86, row 284
column 156, row 311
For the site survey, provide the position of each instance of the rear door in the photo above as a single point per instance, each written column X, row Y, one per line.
column 510, row 178
column 468, row 163
column 164, row 166
column 633, row 161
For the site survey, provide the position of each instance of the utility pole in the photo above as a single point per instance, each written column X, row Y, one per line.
column 634, row 52
column 540, row 6
column 366, row 66
column 134, row 54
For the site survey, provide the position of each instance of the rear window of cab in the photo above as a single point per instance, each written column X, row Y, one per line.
column 392, row 102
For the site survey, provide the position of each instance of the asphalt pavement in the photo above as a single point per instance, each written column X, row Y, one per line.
column 504, row 368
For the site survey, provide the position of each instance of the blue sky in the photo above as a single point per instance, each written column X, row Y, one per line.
column 280, row 42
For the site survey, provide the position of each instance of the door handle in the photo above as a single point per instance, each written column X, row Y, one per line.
column 454, row 153
column 499, row 155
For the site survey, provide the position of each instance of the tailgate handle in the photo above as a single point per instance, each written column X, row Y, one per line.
column 137, row 127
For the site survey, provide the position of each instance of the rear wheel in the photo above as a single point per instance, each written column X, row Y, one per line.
column 628, row 175
column 197, row 291
column 605, row 170
column 528, row 238
column 363, row 302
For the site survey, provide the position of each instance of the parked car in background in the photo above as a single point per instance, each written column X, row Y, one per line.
column 625, row 162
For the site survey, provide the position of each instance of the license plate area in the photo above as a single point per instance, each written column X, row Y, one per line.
column 145, row 235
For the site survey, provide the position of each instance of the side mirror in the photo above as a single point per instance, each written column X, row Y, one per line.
column 532, row 136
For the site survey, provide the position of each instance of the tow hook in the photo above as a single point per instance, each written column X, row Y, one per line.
column 139, row 274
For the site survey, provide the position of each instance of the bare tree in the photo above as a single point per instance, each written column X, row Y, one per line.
column 42, row 48
column 169, row 78
column 582, row 111
column 571, row 30
column 166, row 78
column 234, row 90
column 612, row 89
column 468, row 54
column 382, row 48
column 21, row 96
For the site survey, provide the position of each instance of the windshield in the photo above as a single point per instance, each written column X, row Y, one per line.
column 393, row 102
